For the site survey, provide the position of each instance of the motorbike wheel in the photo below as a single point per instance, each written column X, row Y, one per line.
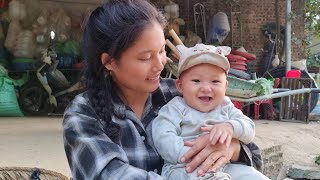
column 34, row 100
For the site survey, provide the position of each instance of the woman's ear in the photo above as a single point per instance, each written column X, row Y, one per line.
column 107, row 62
column 178, row 85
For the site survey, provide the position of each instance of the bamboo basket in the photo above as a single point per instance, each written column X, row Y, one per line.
column 27, row 173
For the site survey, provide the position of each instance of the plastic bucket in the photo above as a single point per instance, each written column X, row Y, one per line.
column 294, row 73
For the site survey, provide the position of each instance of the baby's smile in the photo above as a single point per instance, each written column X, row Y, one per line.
column 205, row 98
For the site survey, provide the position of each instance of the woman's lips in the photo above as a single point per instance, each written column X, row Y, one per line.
column 154, row 78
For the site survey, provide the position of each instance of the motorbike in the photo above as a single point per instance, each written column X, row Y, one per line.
column 49, row 91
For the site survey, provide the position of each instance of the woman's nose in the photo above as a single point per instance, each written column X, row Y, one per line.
column 159, row 63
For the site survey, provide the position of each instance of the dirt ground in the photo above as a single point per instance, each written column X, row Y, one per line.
column 37, row 142
column 300, row 142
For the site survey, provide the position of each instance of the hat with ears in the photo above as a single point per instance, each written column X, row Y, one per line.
column 200, row 54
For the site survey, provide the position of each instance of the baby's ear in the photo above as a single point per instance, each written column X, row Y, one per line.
column 178, row 85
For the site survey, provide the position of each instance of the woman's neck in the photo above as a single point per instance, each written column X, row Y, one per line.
column 136, row 101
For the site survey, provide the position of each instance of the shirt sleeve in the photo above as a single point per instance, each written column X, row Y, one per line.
column 90, row 152
column 243, row 126
column 165, row 133
column 250, row 155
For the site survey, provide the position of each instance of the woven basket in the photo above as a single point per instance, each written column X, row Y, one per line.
column 26, row 173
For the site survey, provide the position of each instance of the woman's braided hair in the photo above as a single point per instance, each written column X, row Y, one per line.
column 112, row 29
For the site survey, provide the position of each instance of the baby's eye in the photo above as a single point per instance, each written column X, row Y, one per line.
column 215, row 81
column 196, row 80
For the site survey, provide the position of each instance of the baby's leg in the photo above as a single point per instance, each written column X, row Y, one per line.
column 177, row 172
column 214, row 176
column 243, row 172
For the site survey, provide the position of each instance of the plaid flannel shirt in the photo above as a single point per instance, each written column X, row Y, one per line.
column 92, row 155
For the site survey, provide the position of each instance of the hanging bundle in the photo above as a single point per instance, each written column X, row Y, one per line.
column 17, row 10
column 13, row 32
column 219, row 28
column 172, row 10
column 26, row 44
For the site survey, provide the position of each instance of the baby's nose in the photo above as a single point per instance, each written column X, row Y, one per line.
column 206, row 88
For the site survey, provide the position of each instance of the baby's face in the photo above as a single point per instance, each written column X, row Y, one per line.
column 203, row 86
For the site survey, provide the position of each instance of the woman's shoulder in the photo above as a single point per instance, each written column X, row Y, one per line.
column 168, row 88
column 80, row 106
column 167, row 83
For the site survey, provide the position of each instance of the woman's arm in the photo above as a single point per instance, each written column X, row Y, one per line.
column 91, row 154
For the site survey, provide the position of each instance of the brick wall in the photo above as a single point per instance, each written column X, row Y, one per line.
column 254, row 14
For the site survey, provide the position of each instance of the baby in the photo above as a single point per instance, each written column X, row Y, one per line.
column 202, row 82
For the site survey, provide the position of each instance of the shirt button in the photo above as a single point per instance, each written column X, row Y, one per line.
column 143, row 138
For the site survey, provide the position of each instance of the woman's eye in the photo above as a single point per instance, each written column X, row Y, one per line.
column 145, row 59
column 163, row 49
column 195, row 80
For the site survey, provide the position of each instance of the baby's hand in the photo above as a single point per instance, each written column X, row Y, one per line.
column 219, row 133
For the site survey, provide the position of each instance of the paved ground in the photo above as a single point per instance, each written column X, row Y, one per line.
column 33, row 142
column 37, row 142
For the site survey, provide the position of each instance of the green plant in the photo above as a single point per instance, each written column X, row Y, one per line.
column 313, row 60
column 312, row 16
column 317, row 160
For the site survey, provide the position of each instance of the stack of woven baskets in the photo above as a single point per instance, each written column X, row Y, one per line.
column 238, row 59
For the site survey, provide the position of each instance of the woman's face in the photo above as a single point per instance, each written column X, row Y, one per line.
column 139, row 68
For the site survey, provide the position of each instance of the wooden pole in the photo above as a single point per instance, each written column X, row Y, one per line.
column 173, row 49
column 175, row 37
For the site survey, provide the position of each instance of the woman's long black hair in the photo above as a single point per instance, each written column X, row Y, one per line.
column 112, row 28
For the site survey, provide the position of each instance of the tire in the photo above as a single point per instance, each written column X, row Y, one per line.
column 34, row 101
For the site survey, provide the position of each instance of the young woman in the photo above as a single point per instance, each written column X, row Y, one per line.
column 107, row 129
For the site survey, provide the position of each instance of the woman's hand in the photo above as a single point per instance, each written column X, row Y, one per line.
column 209, row 157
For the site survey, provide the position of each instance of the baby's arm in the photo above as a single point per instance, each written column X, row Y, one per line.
column 219, row 133
column 243, row 126
column 165, row 133
column 237, row 126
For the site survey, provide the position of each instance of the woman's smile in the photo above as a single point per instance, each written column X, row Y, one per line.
column 154, row 78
